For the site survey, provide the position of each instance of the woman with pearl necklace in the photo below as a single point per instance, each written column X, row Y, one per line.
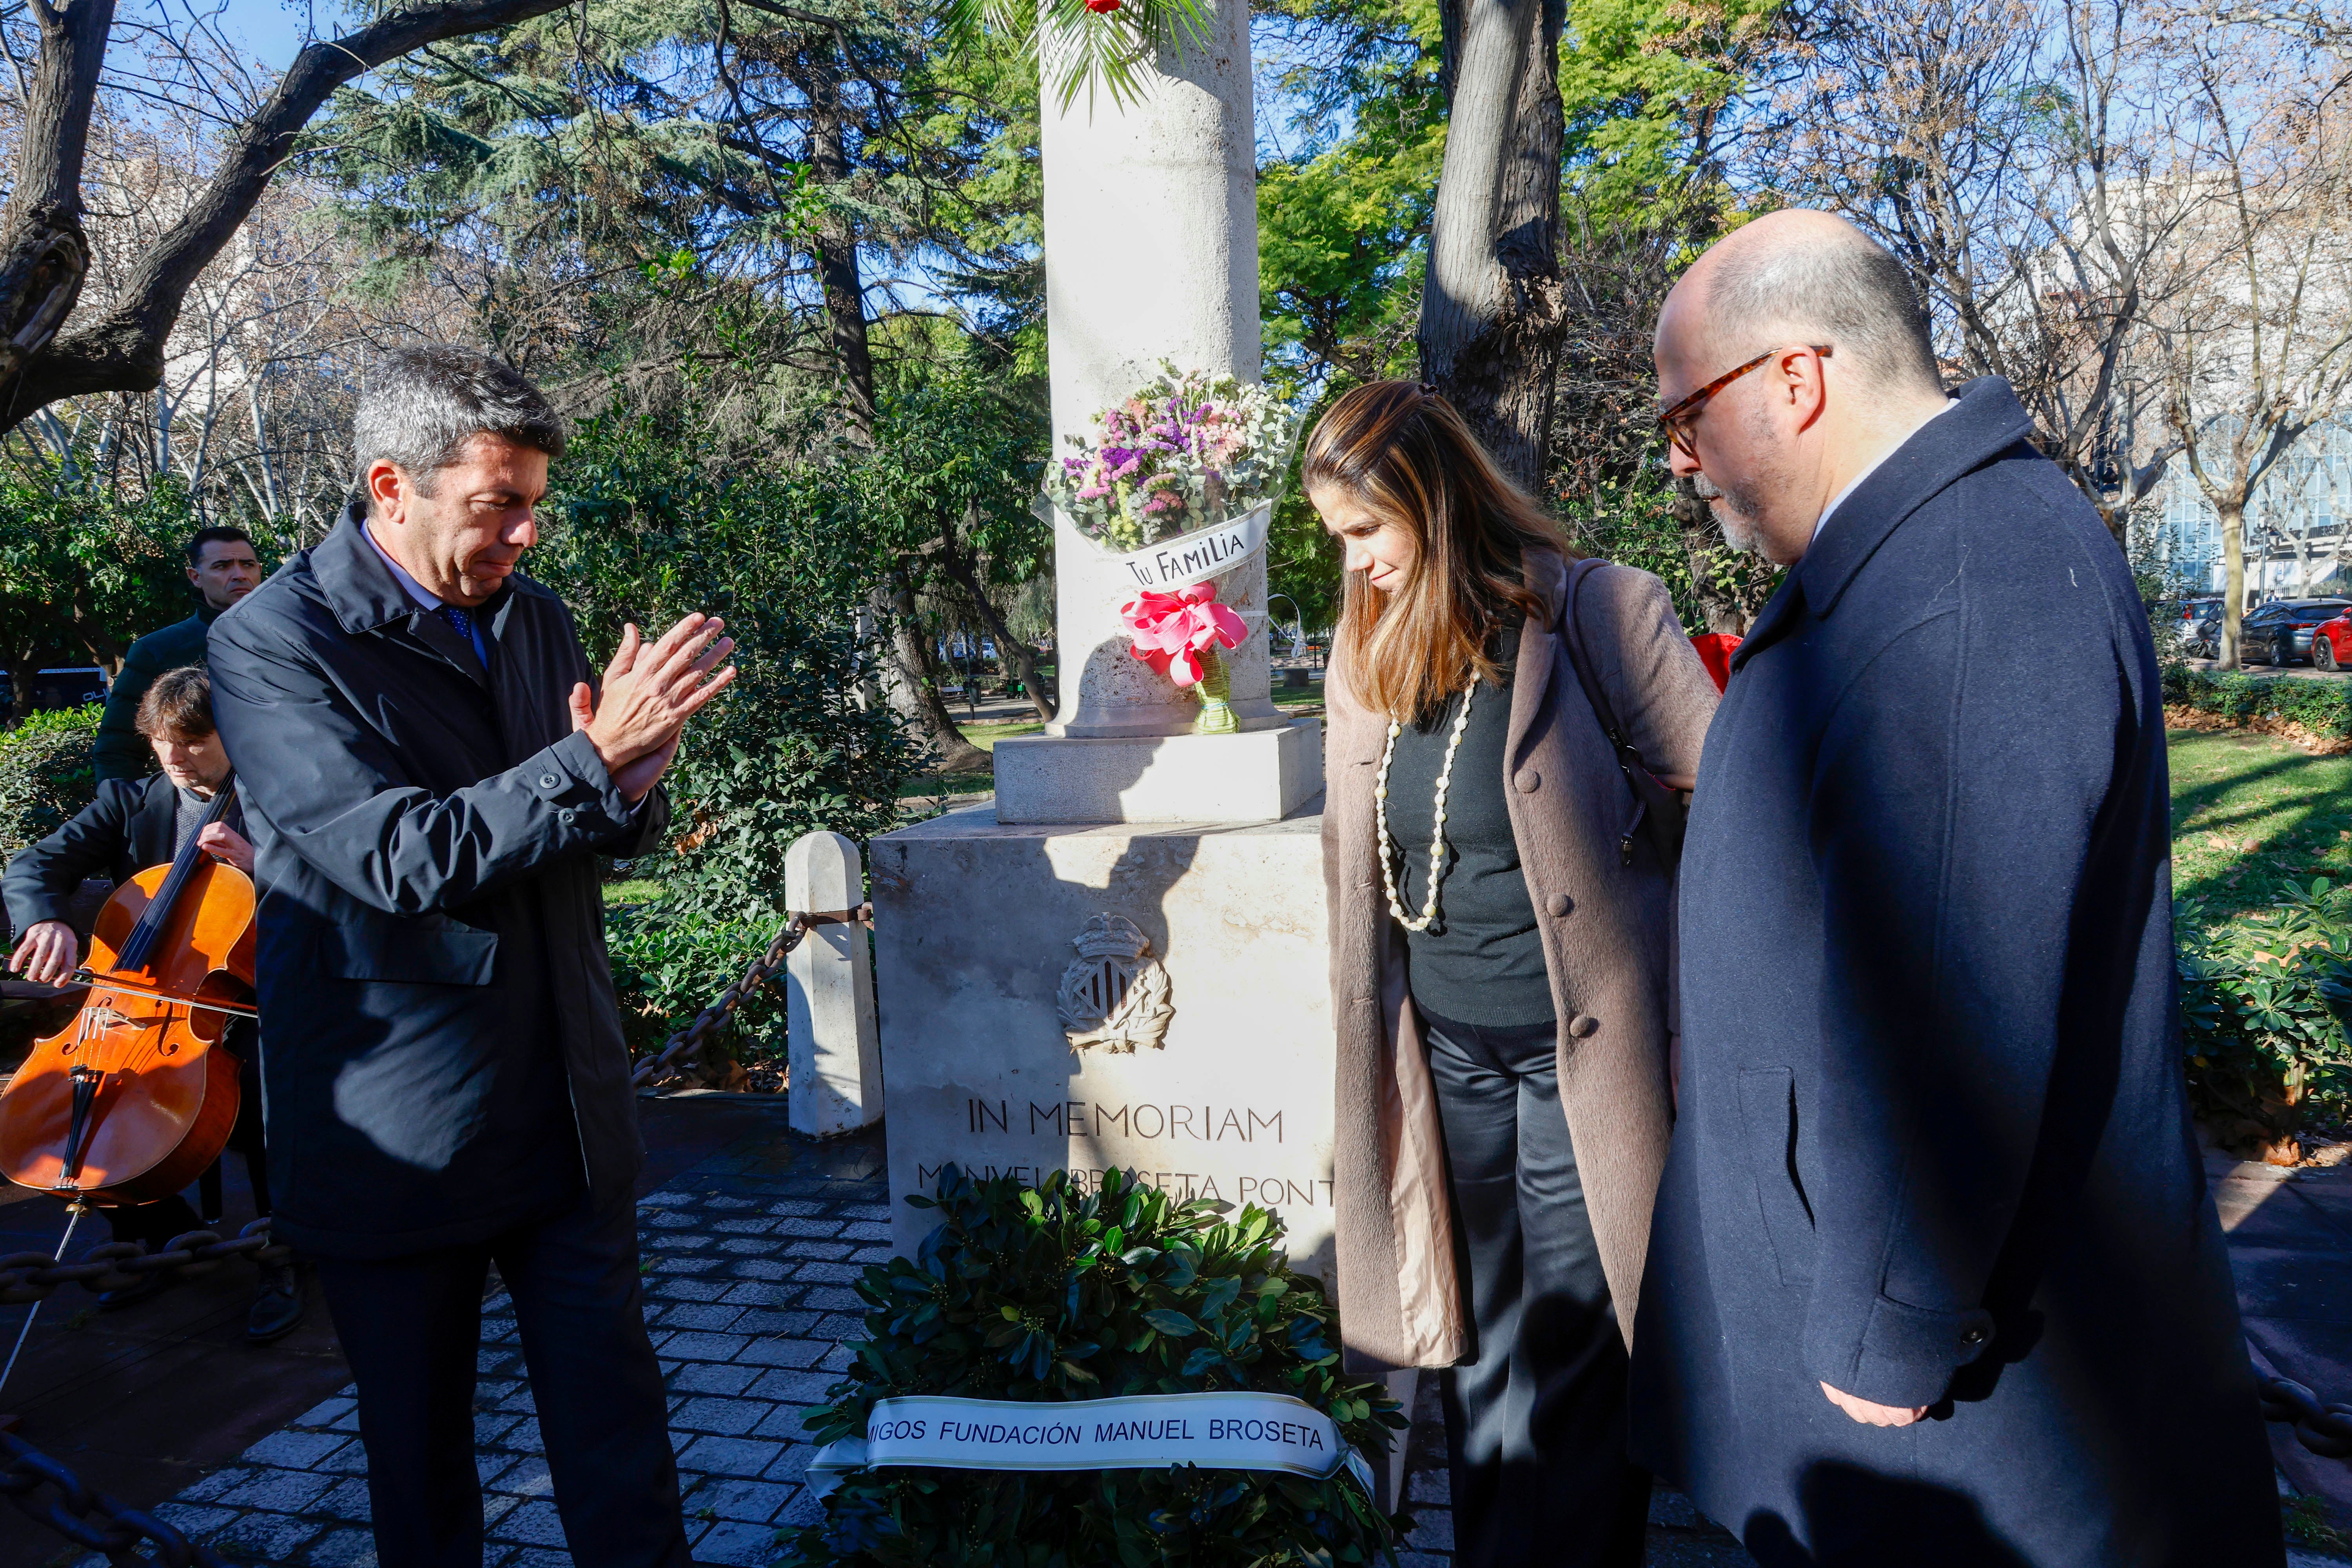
column 1501, row 892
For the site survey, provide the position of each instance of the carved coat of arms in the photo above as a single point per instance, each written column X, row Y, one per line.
column 1115, row 994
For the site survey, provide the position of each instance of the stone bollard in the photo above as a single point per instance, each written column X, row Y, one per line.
column 836, row 1061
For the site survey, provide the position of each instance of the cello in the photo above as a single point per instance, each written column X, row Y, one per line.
column 134, row 1098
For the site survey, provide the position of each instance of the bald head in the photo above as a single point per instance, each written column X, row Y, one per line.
column 1800, row 277
column 1772, row 446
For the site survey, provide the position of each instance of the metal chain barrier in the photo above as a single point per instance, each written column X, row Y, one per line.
column 2325, row 1429
column 682, row 1047
column 89, row 1518
column 118, row 1265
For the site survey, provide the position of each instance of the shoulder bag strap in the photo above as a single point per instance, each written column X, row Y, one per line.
column 1657, row 810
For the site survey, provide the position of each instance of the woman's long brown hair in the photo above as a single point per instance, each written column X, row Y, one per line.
column 1400, row 451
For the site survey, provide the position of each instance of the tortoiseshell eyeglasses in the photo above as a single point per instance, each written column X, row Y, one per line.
column 1676, row 421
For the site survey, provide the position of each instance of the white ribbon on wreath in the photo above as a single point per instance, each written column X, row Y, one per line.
column 1187, row 558
column 1244, row 1430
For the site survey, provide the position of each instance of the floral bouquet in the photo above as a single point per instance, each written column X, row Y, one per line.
column 1178, row 635
column 1187, row 450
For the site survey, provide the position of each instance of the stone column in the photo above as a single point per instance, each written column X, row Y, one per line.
column 832, row 1046
column 1151, row 255
column 1123, row 960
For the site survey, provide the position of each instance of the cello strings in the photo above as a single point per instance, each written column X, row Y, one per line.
column 73, row 1217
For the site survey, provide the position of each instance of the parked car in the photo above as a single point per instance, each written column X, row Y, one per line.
column 2331, row 644
column 57, row 687
column 2194, row 621
column 2280, row 632
column 2202, row 638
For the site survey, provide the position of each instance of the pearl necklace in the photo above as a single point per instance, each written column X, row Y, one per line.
column 1437, row 829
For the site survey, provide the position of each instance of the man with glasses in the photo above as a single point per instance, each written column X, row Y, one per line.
column 1934, row 1276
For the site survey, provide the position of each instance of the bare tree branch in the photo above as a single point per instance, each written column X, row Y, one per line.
column 123, row 350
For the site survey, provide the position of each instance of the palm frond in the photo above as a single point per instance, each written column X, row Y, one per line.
column 1079, row 49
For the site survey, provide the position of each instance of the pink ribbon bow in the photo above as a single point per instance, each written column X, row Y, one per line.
column 1172, row 629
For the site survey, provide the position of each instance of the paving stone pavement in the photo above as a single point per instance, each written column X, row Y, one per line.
column 748, row 1260
column 749, row 1257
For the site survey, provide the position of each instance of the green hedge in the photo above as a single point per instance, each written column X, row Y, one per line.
column 2265, row 999
column 668, row 965
column 47, row 773
column 2323, row 707
column 1057, row 1293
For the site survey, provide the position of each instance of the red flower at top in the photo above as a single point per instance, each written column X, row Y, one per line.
column 1102, row 7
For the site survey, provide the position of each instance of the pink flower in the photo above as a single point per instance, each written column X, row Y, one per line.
column 1170, row 629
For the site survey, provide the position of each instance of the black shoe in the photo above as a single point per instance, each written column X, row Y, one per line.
column 130, row 1295
column 278, row 1306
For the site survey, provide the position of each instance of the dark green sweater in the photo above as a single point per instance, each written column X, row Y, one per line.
column 120, row 750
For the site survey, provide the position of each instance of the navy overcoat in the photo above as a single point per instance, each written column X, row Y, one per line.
column 1933, row 1146
column 445, row 1057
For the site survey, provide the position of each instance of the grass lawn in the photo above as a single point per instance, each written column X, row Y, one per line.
column 2250, row 811
column 985, row 736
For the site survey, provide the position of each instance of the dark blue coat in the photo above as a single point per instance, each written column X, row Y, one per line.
column 444, row 1056
column 1933, row 1146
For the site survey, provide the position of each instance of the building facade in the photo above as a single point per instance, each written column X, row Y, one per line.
column 2296, row 523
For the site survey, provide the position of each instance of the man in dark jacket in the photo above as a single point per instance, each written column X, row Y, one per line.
column 127, row 829
column 221, row 569
column 431, row 770
column 1934, row 1276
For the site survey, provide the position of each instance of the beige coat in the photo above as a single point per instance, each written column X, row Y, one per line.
column 1606, row 929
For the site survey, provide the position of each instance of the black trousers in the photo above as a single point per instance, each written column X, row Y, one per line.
column 159, row 1221
column 410, row 1327
column 1534, row 1427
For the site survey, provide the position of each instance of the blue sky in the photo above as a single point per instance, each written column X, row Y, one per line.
column 272, row 31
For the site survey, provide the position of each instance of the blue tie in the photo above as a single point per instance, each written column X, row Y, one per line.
column 463, row 619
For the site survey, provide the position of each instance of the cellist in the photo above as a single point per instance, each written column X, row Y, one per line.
column 134, row 824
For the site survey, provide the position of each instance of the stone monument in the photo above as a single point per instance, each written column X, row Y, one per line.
column 1122, row 961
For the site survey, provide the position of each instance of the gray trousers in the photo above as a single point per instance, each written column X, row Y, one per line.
column 1534, row 1427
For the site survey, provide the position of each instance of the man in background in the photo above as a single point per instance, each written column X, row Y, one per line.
column 1934, row 1276
column 432, row 768
column 221, row 569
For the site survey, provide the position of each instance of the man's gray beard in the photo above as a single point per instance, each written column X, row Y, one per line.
column 1737, row 521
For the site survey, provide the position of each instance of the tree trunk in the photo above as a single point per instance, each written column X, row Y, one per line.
column 909, row 679
column 837, row 248
column 1020, row 655
column 44, row 254
column 914, row 688
column 1491, row 315
column 2233, row 514
column 22, row 664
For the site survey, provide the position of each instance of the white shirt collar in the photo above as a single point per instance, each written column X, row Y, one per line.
column 1839, row 499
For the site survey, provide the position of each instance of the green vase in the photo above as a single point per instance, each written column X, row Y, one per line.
column 1217, row 716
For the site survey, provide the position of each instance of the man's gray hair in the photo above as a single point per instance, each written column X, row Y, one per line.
column 420, row 407
column 1850, row 293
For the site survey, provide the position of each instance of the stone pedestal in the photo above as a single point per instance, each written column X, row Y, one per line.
column 983, row 932
column 1255, row 777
